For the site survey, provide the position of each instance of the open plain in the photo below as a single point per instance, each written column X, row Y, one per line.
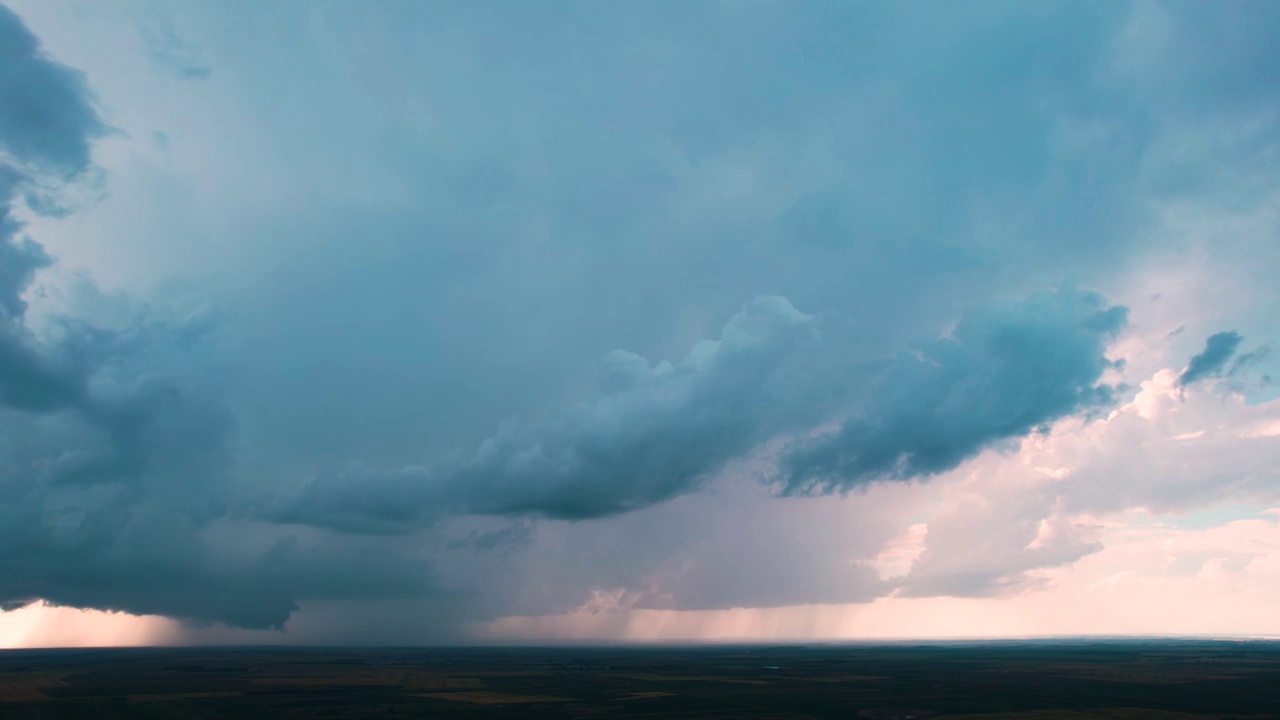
column 1095, row 680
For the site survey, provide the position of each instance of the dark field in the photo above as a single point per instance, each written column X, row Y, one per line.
column 1130, row 680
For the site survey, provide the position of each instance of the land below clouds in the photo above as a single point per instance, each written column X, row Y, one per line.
column 1130, row 679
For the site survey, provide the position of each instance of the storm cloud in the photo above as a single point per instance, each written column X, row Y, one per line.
column 48, row 120
column 92, row 440
column 47, row 123
column 658, row 431
column 1002, row 374
column 664, row 307
column 661, row 430
column 115, row 456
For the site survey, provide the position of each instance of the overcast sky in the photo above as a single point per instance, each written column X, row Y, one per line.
column 495, row 321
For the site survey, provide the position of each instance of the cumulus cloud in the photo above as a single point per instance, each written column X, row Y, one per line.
column 47, row 122
column 1050, row 523
column 999, row 525
column 116, row 454
column 662, row 429
column 48, row 119
column 19, row 259
column 1002, row 374
column 97, row 448
column 1171, row 450
column 658, row 431
column 1218, row 349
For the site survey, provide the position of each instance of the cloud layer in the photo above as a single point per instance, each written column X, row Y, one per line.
column 1001, row 375
column 661, row 430
column 116, row 457
column 462, row 315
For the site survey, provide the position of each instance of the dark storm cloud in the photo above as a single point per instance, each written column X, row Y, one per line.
column 47, row 117
column 657, row 432
column 47, row 123
column 1218, row 349
column 664, row 429
column 30, row 378
column 116, row 456
column 1002, row 374
column 125, row 500
column 19, row 261
column 596, row 176
column 119, row 495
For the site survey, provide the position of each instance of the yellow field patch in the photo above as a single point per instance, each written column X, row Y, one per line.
column 485, row 697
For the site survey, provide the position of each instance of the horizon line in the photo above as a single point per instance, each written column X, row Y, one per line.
column 548, row 644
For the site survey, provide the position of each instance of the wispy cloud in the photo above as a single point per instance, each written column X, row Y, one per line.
column 169, row 50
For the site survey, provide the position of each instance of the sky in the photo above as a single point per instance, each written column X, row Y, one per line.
column 508, row 322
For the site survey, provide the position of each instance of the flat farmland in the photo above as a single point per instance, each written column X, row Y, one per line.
column 1099, row 680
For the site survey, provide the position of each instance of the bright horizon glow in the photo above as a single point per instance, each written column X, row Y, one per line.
column 45, row 626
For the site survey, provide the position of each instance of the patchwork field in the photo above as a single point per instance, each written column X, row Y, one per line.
column 1154, row 680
